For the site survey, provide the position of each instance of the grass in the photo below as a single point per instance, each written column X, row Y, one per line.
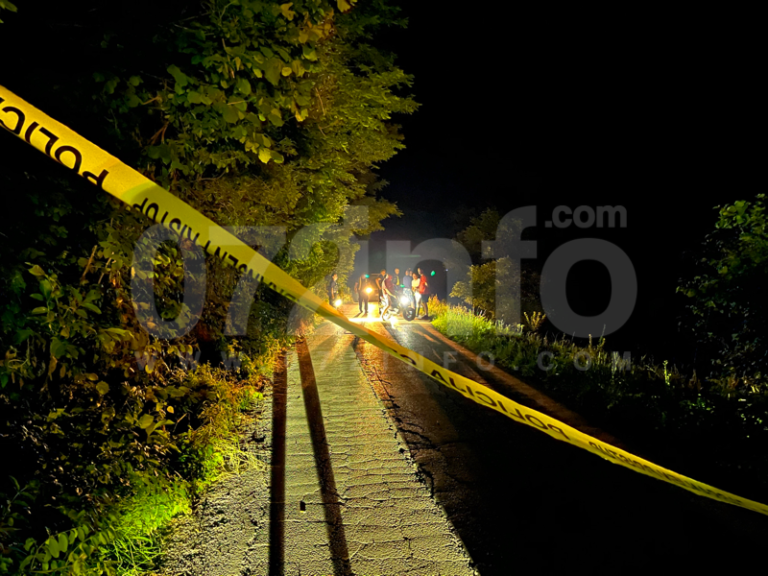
column 723, row 430
column 138, row 526
column 138, row 523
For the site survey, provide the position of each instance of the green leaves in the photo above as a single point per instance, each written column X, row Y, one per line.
column 272, row 70
column 265, row 155
column 146, row 421
column 58, row 348
column 7, row 5
column 161, row 152
column 181, row 78
column 63, row 543
column 286, row 11
column 274, row 117
column 56, row 545
column 52, row 544
column 231, row 114
column 243, row 86
column 309, row 53
column 726, row 310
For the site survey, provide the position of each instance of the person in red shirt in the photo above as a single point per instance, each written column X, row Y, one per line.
column 423, row 294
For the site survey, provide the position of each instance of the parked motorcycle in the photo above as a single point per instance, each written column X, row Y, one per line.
column 404, row 305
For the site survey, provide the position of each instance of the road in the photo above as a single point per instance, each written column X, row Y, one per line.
column 519, row 499
column 370, row 467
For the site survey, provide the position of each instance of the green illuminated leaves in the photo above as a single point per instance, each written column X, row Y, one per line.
column 37, row 271
column 58, row 348
column 345, row 5
column 275, row 117
column 286, row 11
column 243, row 86
column 7, row 5
column 265, row 155
column 146, row 421
column 52, row 544
column 231, row 114
column 272, row 70
column 181, row 78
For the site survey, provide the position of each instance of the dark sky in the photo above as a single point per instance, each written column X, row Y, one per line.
column 658, row 112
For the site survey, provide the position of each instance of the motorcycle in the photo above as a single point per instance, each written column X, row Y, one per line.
column 404, row 305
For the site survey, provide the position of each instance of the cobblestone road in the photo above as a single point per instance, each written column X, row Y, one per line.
column 352, row 491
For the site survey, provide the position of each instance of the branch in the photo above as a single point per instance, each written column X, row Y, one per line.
column 88, row 265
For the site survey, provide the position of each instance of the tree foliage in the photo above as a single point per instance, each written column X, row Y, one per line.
column 727, row 310
column 484, row 280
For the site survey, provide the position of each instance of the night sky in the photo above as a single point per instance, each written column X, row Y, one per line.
column 656, row 112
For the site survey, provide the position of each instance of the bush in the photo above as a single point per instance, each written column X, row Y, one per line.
column 727, row 310
column 107, row 484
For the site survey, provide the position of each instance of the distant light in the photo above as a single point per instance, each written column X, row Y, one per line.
column 367, row 276
column 433, row 273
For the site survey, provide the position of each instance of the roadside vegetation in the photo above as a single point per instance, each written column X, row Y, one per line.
column 710, row 419
column 257, row 113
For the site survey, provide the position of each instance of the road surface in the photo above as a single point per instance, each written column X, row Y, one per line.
column 519, row 499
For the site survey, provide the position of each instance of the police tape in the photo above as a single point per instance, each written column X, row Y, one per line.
column 107, row 172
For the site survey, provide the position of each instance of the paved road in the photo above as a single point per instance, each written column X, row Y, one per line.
column 341, row 496
column 520, row 499
column 353, row 500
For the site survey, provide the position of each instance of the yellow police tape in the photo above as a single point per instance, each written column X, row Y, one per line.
column 108, row 173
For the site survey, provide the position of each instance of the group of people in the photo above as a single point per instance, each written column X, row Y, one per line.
column 413, row 284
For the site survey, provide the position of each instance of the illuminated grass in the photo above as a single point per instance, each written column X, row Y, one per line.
column 636, row 396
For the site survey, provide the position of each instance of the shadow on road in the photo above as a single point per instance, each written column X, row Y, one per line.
column 329, row 492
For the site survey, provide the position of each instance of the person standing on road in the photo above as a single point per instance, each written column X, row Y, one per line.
column 412, row 285
column 362, row 296
column 380, row 288
column 388, row 289
column 423, row 290
column 333, row 289
column 396, row 278
column 415, row 281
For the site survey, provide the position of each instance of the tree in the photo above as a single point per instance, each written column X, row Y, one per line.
column 484, row 280
column 727, row 311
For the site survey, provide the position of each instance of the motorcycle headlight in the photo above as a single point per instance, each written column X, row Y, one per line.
column 337, row 303
column 368, row 290
column 403, row 299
